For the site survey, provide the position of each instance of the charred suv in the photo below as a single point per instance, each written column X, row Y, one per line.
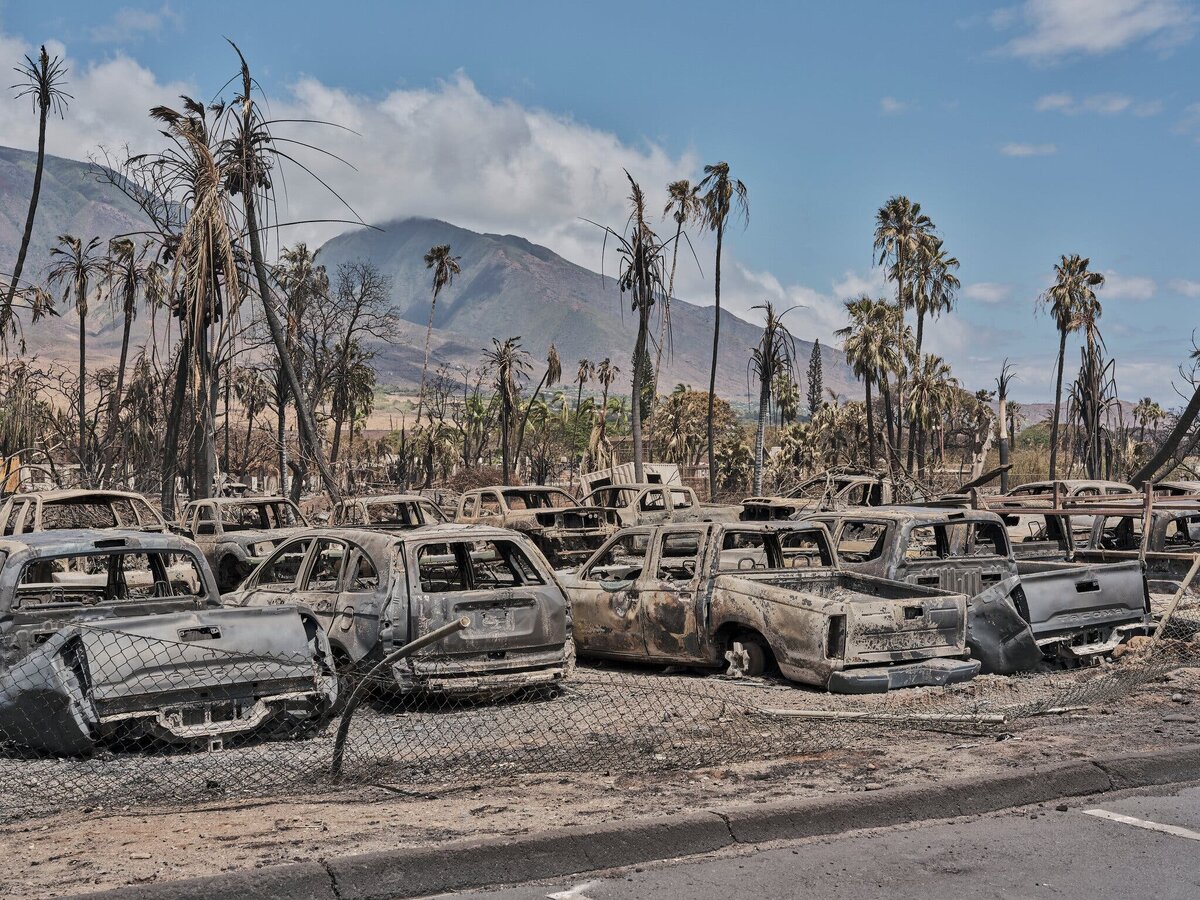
column 376, row 591
column 562, row 529
column 103, row 638
column 763, row 596
column 1021, row 610
column 237, row 533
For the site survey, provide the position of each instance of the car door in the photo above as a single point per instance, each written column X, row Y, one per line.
column 275, row 582
column 668, row 594
column 604, row 598
column 320, row 584
column 652, row 506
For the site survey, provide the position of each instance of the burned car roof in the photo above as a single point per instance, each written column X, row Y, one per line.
column 62, row 494
column 75, row 540
column 911, row 514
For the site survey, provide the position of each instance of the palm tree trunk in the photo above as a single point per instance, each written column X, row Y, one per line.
column 170, row 462
column 338, row 422
column 304, row 415
column 504, row 414
column 281, row 431
column 764, row 404
column 27, row 234
column 870, row 428
column 639, row 360
column 249, row 435
column 887, row 415
column 525, row 416
column 1062, row 349
column 900, row 351
column 712, row 375
column 81, row 402
column 425, row 366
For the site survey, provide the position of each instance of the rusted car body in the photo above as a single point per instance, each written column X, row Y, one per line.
column 387, row 512
column 1022, row 610
column 835, row 490
column 374, row 591
column 100, row 640
column 647, row 504
column 754, row 594
column 83, row 508
column 564, row 531
column 237, row 533
column 1170, row 547
column 1072, row 487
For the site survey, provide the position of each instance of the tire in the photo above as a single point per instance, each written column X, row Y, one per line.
column 755, row 654
column 229, row 574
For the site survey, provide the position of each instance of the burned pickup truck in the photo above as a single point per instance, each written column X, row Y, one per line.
column 1022, row 610
column 562, row 529
column 237, row 533
column 102, row 640
column 762, row 597
column 375, row 591
column 837, row 489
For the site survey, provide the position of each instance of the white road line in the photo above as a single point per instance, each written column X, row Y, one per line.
column 1142, row 823
column 575, row 893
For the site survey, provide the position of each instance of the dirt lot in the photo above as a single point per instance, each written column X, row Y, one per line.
column 104, row 846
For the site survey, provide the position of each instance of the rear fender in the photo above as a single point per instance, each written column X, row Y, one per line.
column 997, row 634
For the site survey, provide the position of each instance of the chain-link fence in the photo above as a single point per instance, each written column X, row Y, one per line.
column 95, row 716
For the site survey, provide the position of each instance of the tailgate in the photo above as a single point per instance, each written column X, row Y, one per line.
column 879, row 630
column 529, row 617
column 1064, row 600
column 210, row 654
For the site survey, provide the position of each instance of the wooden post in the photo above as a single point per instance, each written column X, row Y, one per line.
column 1183, row 586
column 1147, row 519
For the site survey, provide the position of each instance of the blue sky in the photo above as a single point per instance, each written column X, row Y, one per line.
column 1025, row 130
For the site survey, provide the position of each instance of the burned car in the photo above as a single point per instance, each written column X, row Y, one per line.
column 566, row 532
column 764, row 596
column 237, row 533
column 101, row 640
column 389, row 512
column 836, row 489
column 648, row 504
column 1022, row 611
column 52, row 510
column 374, row 591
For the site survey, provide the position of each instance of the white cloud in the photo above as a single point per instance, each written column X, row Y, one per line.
column 1189, row 289
column 1055, row 102
column 1015, row 149
column 987, row 291
column 129, row 24
column 1136, row 288
column 890, row 106
column 1059, row 29
column 1102, row 104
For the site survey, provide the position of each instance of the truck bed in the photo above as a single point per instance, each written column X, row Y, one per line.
column 1071, row 598
column 874, row 620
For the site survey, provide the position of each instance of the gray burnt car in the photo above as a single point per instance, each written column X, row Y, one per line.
column 78, row 508
column 387, row 512
column 375, row 591
column 564, row 531
column 102, row 638
column 237, row 533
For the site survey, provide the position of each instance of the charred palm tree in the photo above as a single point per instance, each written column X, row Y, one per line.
column 900, row 231
column 643, row 277
column 774, row 356
column 870, row 348
column 253, row 151
column 133, row 272
column 720, row 197
column 42, row 81
column 683, row 205
column 1071, row 300
column 445, row 267
column 550, row 377
column 75, row 265
column 511, row 364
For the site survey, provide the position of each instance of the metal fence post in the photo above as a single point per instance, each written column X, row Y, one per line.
column 339, row 744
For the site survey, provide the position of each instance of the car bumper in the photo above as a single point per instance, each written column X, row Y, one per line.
column 879, row 679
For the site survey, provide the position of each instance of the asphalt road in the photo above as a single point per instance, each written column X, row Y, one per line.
column 1143, row 844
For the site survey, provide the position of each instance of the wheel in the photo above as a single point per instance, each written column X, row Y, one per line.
column 229, row 574
column 747, row 657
